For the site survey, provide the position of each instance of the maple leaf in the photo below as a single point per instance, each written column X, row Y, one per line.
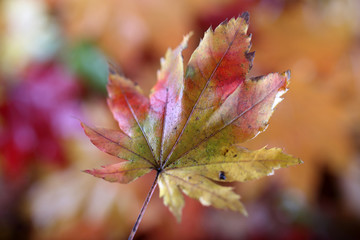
column 189, row 129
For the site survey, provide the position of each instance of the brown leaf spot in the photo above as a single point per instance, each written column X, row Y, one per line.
column 225, row 151
column 222, row 175
column 246, row 17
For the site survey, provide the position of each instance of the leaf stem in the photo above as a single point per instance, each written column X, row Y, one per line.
column 141, row 214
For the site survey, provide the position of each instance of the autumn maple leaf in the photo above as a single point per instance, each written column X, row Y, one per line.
column 189, row 129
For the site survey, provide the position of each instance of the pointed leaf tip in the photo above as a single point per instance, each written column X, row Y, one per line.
column 222, row 23
column 246, row 17
column 114, row 69
column 250, row 57
column 244, row 212
column 287, row 74
column 186, row 38
column 87, row 171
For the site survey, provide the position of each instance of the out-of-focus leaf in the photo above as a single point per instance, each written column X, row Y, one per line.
column 88, row 62
column 32, row 128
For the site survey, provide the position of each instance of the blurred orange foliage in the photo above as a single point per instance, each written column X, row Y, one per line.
column 318, row 120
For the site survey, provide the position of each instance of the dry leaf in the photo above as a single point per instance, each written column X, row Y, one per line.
column 189, row 129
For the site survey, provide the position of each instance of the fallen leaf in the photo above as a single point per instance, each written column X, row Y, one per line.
column 189, row 129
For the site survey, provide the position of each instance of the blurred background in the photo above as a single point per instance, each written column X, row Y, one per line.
column 53, row 72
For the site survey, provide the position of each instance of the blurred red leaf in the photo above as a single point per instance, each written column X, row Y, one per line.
column 34, row 117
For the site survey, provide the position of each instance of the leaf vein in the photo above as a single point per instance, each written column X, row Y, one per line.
column 129, row 170
column 137, row 121
column 201, row 188
column 231, row 121
column 111, row 140
column 226, row 162
column 199, row 97
column 163, row 127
